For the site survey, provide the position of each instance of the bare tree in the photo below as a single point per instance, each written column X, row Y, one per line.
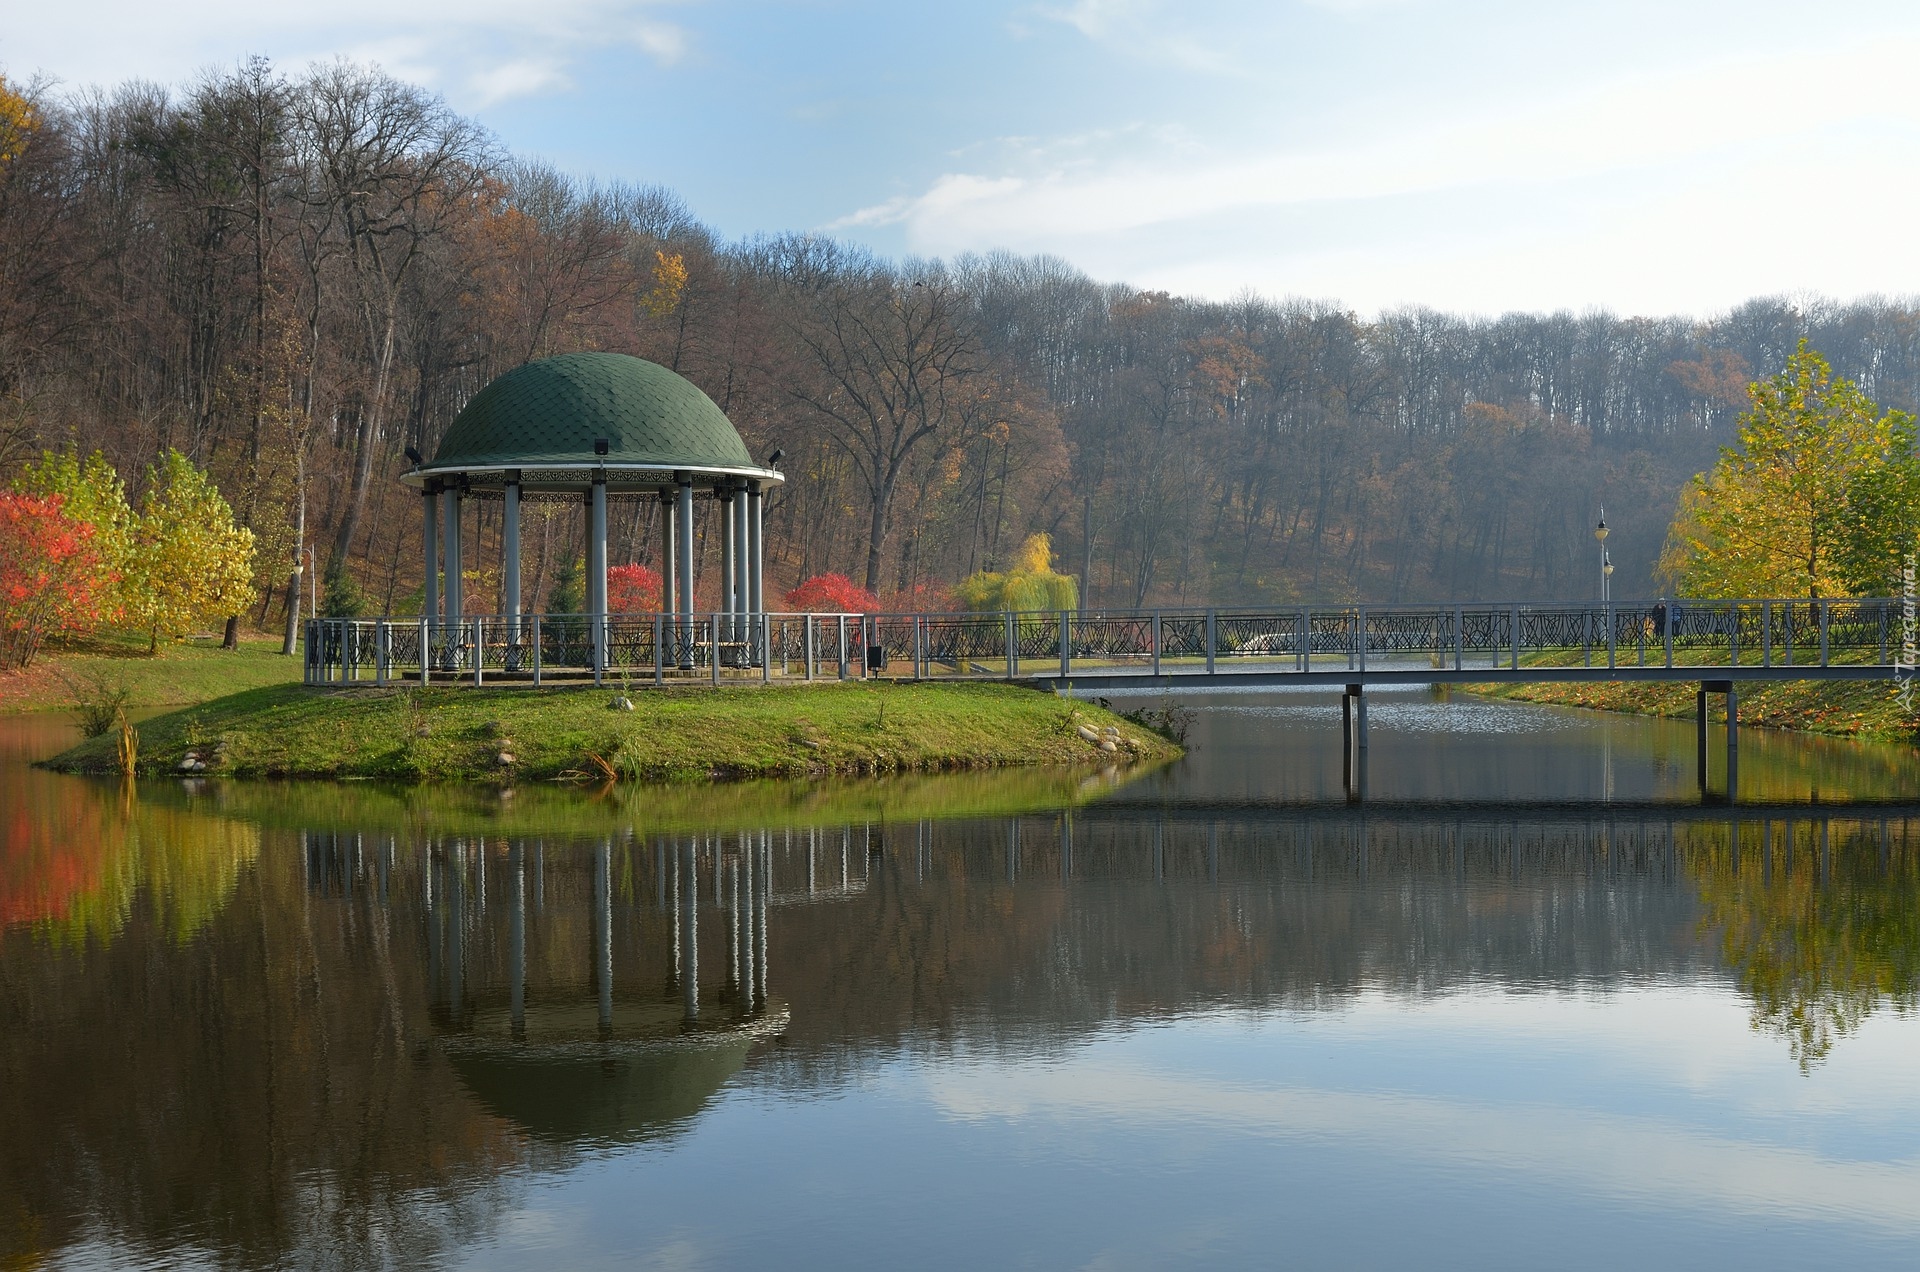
column 387, row 166
column 887, row 359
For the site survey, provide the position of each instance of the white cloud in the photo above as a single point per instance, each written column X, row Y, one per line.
column 480, row 52
column 1726, row 1153
column 1631, row 1158
column 1648, row 189
column 523, row 77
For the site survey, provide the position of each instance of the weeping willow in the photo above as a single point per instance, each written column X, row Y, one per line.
column 1030, row 586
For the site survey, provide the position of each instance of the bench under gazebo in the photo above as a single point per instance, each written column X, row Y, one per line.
column 594, row 429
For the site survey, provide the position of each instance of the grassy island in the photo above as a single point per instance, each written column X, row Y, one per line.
column 506, row 735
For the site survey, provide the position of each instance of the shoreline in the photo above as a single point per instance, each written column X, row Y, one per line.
column 508, row 735
column 1858, row 710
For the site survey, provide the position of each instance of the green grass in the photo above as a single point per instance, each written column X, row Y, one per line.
column 182, row 672
column 681, row 734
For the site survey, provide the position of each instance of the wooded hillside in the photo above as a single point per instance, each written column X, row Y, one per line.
column 293, row 277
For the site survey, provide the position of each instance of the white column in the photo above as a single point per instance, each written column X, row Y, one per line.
column 430, row 545
column 510, row 567
column 597, row 569
column 729, row 555
column 451, row 548
column 683, row 540
column 740, row 590
column 756, row 550
column 669, row 558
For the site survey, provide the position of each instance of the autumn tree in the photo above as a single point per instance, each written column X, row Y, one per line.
column 1811, row 468
column 632, row 589
column 831, row 594
column 90, row 490
column 1031, row 585
column 50, row 574
column 189, row 562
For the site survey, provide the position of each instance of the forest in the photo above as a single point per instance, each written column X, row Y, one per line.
column 291, row 277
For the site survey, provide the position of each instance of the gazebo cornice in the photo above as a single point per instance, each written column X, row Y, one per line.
column 536, row 476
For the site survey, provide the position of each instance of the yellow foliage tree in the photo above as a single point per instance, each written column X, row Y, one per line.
column 1031, row 584
column 1775, row 515
column 189, row 562
column 19, row 121
column 669, row 283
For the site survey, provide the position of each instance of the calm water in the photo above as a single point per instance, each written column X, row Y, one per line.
column 1527, row 1003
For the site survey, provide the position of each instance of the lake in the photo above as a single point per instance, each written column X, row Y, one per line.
column 1527, row 1000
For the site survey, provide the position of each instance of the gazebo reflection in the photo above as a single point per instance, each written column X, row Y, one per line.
column 590, row 1020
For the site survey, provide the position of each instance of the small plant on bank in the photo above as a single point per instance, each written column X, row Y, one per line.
column 99, row 700
column 127, row 748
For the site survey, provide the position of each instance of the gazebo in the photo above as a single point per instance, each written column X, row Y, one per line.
column 595, row 427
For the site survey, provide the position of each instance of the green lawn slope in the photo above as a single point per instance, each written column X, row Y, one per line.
column 505, row 735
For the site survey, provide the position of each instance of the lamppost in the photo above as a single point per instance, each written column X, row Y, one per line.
column 1606, row 565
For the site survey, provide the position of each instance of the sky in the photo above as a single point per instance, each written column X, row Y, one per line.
column 1480, row 156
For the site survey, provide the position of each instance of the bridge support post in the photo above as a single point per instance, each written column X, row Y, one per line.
column 1353, row 717
column 1726, row 688
column 1353, row 739
column 1700, row 736
column 1346, row 741
column 1733, row 741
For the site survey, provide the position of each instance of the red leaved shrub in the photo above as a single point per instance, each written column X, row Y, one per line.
column 50, row 574
column 632, row 589
column 832, row 594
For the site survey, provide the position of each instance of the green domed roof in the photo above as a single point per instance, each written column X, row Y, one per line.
column 551, row 412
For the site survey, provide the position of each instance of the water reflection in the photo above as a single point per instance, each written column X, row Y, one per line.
column 249, row 1031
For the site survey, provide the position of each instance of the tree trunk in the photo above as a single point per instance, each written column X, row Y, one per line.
column 371, row 426
column 877, row 528
column 291, row 639
column 231, row 640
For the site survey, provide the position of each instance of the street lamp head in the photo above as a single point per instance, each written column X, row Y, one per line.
column 1600, row 531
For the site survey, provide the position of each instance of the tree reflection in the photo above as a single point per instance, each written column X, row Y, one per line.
column 1820, row 921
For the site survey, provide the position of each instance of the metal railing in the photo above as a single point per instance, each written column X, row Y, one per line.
column 537, row 648
column 1509, row 638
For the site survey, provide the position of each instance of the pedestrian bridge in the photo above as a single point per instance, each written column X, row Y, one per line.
column 1712, row 644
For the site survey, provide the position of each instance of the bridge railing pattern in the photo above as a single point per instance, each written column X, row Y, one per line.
column 1692, row 633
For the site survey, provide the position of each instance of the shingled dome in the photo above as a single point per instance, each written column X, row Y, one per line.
column 633, row 419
